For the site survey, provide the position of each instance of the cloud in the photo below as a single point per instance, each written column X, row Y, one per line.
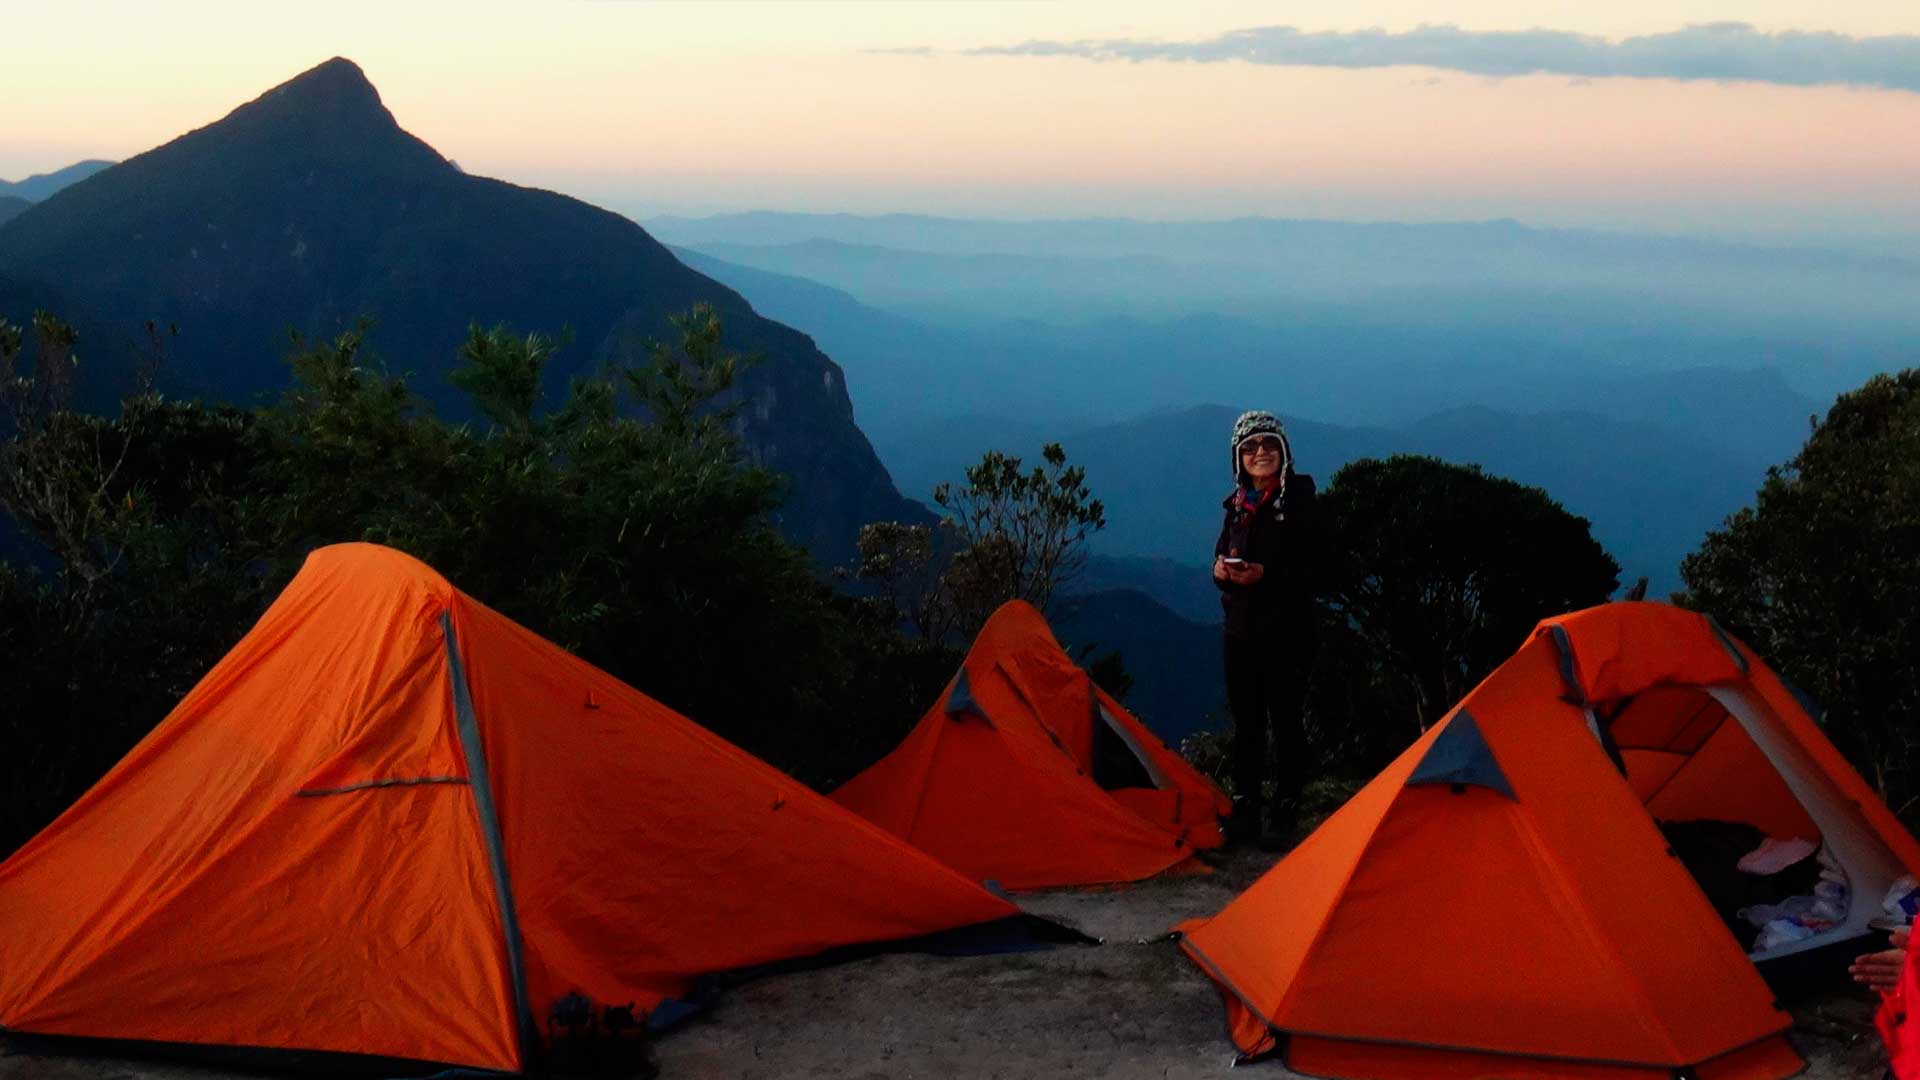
column 1711, row 51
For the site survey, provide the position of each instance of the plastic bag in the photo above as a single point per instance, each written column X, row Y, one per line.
column 1830, row 900
column 1793, row 907
column 1781, row 932
column 1903, row 898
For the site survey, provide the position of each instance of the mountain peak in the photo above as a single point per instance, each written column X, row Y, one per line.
column 331, row 113
column 333, row 93
column 336, row 80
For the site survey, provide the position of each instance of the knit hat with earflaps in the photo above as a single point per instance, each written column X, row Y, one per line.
column 1256, row 422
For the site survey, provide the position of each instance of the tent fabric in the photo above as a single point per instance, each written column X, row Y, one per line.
column 1002, row 778
column 298, row 856
column 1689, row 759
column 1430, row 930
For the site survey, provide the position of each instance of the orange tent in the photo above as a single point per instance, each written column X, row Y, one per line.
column 394, row 823
column 1026, row 773
column 1501, row 902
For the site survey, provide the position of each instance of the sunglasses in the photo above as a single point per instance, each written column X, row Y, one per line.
column 1254, row 446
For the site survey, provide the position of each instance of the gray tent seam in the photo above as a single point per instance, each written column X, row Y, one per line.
column 1568, row 672
column 469, row 725
column 1726, row 642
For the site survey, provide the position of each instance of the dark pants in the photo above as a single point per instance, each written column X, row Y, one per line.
column 1266, row 687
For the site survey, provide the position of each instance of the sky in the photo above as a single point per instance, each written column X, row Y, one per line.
column 1764, row 119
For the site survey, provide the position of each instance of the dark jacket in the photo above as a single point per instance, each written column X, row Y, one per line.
column 1284, row 537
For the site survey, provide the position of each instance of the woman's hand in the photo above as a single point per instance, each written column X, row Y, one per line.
column 1246, row 573
column 1220, row 568
column 1881, row 970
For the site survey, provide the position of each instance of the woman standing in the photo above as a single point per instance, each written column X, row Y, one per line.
column 1264, row 566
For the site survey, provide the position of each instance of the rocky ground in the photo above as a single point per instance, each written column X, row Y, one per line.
column 1129, row 1008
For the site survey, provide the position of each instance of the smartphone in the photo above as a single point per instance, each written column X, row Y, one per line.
column 1234, row 564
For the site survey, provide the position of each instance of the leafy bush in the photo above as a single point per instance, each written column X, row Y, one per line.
column 1009, row 534
column 1435, row 574
column 1822, row 576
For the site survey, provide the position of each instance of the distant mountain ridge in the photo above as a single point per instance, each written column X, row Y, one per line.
column 1352, row 366
column 1180, row 586
column 11, row 207
column 41, row 185
column 1213, row 239
column 1534, row 286
column 310, row 209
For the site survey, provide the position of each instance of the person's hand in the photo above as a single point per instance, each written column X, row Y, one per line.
column 1247, row 574
column 1220, row 568
column 1881, row 970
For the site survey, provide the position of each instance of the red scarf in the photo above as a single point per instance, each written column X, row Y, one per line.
column 1250, row 500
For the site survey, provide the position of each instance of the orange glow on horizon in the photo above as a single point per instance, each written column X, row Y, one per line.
column 786, row 97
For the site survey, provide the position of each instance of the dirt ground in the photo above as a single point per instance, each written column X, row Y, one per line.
column 1130, row 1008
